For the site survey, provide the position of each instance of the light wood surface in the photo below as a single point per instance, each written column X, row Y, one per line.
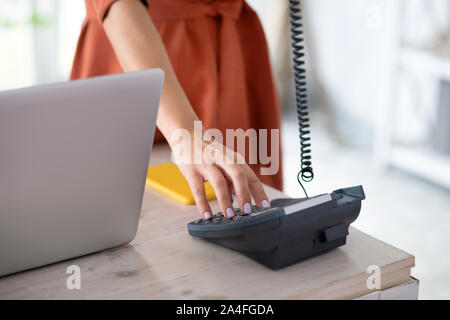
column 164, row 262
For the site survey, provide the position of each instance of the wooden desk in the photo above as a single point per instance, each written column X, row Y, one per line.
column 164, row 262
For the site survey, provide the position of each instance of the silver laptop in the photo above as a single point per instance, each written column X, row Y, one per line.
column 73, row 164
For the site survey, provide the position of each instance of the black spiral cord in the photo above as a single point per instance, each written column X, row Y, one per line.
column 306, row 172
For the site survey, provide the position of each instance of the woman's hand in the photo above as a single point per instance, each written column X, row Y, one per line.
column 227, row 173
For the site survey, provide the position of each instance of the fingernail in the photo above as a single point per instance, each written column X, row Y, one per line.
column 207, row 215
column 230, row 213
column 265, row 204
column 247, row 208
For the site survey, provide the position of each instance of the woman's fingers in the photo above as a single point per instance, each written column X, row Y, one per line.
column 226, row 179
column 198, row 191
column 257, row 190
column 238, row 176
column 221, row 188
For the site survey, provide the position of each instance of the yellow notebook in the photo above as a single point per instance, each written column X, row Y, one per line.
column 169, row 180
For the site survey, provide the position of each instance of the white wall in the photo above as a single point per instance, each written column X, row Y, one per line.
column 350, row 50
column 38, row 40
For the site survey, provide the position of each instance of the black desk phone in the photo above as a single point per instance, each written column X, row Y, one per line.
column 291, row 230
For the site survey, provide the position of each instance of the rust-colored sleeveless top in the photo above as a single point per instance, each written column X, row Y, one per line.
column 219, row 54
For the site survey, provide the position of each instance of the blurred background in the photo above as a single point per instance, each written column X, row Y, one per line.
column 379, row 93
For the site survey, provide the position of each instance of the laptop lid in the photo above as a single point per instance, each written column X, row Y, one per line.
column 73, row 164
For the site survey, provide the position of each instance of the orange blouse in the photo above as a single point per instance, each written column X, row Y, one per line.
column 219, row 54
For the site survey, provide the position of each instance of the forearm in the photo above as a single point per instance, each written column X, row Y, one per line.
column 138, row 46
